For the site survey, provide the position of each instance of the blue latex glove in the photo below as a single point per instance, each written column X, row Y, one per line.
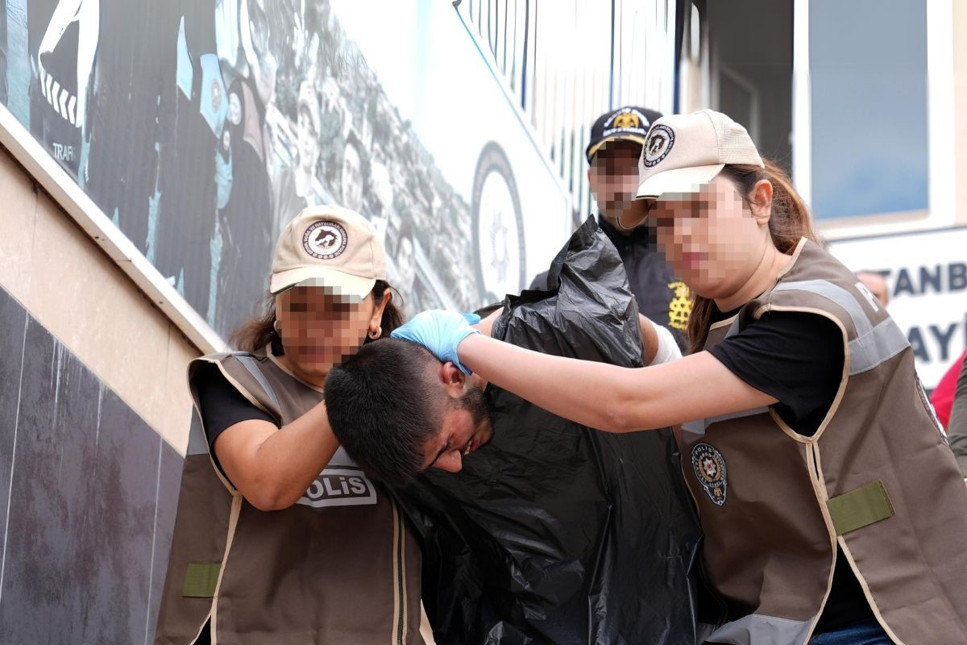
column 440, row 332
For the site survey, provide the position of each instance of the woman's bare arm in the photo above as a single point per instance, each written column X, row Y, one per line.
column 611, row 398
column 273, row 467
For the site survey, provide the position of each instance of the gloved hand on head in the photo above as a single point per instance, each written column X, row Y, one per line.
column 440, row 332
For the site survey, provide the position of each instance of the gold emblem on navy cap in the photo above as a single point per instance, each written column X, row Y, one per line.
column 626, row 120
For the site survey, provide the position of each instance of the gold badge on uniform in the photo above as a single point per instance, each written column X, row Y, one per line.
column 680, row 306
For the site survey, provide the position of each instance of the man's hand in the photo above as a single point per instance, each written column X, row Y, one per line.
column 440, row 332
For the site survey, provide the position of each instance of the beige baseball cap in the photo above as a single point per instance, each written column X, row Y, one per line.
column 685, row 151
column 331, row 247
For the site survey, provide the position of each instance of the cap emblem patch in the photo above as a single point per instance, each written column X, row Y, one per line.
column 661, row 138
column 627, row 120
column 234, row 108
column 216, row 96
column 709, row 466
column 325, row 240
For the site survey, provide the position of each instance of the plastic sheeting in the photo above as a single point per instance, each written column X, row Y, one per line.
column 553, row 532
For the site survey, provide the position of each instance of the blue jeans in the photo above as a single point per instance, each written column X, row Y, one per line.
column 867, row 632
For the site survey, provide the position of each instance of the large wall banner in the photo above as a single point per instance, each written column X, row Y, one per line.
column 200, row 127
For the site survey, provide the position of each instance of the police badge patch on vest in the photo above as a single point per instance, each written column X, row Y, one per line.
column 709, row 466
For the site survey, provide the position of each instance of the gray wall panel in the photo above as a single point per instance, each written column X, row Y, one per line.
column 87, row 540
column 125, row 484
column 33, row 588
column 168, row 489
column 12, row 322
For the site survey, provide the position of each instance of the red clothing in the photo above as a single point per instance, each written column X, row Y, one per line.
column 943, row 396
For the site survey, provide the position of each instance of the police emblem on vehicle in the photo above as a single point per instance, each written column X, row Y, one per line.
column 325, row 240
column 661, row 138
column 709, row 466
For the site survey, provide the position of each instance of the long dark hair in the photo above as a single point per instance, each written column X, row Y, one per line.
column 257, row 332
column 789, row 222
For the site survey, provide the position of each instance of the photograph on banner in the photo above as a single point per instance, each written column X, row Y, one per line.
column 201, row 128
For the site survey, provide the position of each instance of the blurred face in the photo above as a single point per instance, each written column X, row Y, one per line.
column 352, row 179
column 308, row 141
column 465, row 427
column 613, row 177
column 876, row 284
column 319, row 330
column 711, row 237
column 406, row 264
column 264, row 65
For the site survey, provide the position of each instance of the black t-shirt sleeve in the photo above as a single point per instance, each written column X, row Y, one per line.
column 795, row 357
column 221, row 405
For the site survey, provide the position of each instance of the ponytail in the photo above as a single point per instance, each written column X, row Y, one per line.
column 257, row 332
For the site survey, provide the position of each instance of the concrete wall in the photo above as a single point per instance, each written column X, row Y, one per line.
column 94, row 417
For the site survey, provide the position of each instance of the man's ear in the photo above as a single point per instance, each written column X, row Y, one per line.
column 453, row 379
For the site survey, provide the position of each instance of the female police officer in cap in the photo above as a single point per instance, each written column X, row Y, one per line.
column 832, row 506
column 280, row 537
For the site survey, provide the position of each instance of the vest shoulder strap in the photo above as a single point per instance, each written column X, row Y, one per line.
column 249, row 363
column 242, row 371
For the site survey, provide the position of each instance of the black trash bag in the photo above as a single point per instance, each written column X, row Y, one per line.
column 553, row 532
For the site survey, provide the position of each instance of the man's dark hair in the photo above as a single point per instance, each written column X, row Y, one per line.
column 382, row 408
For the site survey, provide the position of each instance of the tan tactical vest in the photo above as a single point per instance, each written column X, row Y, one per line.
column 877, row 478
column 339, row 566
